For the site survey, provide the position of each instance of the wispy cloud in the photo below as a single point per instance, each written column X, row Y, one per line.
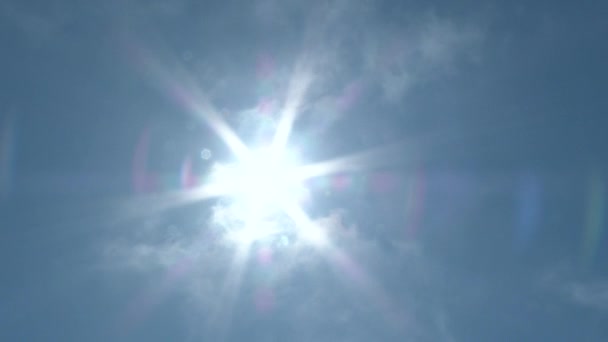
column 315, row 293
column 583, row 291
column 359, row 53
column 592, row 294
column 416, row 50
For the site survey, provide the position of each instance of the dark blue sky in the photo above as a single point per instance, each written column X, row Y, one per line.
column 480, row 215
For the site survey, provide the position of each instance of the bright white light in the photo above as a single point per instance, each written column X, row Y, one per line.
column 259, row 186
column 262, row 181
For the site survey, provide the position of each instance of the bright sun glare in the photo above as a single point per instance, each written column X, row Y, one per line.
column 262, row 181
column 260, row 187
column 262, row 190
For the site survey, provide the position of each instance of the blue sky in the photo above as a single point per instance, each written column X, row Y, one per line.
column 468, row 202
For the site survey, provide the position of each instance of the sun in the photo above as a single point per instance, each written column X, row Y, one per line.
column 262, row 181
column 258, row 188
column 266, row 179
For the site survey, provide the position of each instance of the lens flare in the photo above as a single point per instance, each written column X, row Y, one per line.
column 259, row 195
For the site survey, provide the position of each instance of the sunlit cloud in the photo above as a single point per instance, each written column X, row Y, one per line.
column 306, row 229
column 216, row 274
